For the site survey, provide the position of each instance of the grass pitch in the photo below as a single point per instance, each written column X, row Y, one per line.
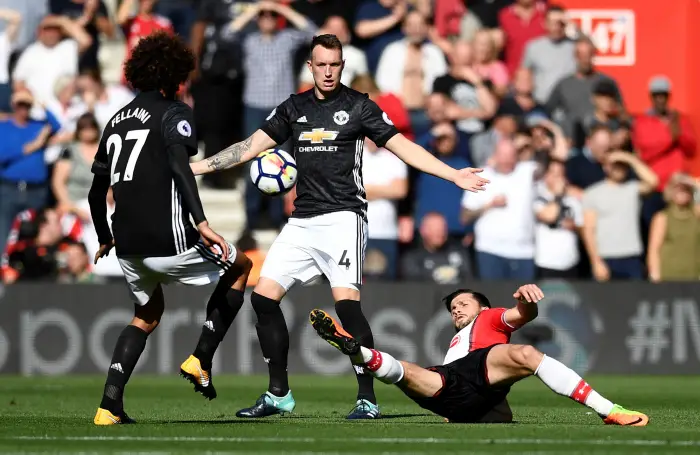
column 55, row 415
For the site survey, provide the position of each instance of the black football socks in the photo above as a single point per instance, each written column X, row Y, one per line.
column 130, row 345
column 222, row 309
column 274, row 341
column 355, row 323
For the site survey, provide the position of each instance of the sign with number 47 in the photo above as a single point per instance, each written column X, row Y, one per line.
column 612, row 32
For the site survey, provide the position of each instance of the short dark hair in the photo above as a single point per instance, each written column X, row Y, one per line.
column 94, row 74
column 159, row 62
column 597, row 128
column 86, row 120
column 327, row 41
column 554, row 8
column 481, row 299
column 549, row 161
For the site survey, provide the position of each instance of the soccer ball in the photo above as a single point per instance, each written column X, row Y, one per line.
column 273, row 172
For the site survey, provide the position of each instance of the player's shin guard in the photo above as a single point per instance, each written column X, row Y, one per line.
column 127, row 351
column 274, row 341
column 381, row 365
column 565, row 381
column 222, row 309
column 355, row 322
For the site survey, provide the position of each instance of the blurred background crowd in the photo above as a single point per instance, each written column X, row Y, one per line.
column 580, row 188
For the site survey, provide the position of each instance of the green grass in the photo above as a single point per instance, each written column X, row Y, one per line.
column 55, row 415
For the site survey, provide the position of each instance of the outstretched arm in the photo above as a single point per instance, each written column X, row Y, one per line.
column 238, row 153
column 416, row 156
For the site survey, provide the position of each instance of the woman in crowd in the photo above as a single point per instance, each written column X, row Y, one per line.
column 674, row 236
column 72, row 177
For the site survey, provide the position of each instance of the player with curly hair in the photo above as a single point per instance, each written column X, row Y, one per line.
column 144, row 156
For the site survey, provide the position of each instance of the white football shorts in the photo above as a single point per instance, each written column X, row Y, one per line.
column 197, row 266
column 332, row 244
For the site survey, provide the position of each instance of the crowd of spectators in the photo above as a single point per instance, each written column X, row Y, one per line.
column 580, row 187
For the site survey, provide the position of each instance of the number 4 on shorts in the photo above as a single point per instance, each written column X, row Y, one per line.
column 344, row 260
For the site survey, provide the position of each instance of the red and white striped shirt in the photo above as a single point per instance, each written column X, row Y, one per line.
column 70, row 226
column 488, row 328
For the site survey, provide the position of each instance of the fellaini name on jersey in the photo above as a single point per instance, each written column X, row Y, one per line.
column 139, row 113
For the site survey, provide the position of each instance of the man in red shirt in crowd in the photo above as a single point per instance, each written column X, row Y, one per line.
column 480, row 366
column 143, row 24
column 521, row 22
column 663, row 136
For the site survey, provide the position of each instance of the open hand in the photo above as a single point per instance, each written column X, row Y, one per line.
column 467, row 179
column 529, row 293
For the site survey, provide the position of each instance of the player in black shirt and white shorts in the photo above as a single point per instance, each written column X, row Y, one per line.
column 327, row 232
column 144, row 157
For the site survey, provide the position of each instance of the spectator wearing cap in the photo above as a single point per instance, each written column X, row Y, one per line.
column 23, row 172
column 550, row 57
column 472, row 100
column 611, row 218
column 378, row 22
column 521, row 23
column 504, row 226
column 664, row 139
column 409, row 67
column 674, row 238
column 571, row 100
column 50, row 57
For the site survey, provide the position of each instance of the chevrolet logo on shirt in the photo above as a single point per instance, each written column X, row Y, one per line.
column 318, row 135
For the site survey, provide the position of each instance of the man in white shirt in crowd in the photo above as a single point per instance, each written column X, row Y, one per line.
column 559, row 217
column 50, row 57
column 504, row 220
column 355, row 59
column 386, row 182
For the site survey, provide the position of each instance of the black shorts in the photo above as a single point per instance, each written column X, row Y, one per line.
column 466, row 395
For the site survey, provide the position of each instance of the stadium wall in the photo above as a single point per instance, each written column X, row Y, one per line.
column 626, row 328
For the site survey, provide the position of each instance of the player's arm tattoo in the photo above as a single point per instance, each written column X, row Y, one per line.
column 230, row 156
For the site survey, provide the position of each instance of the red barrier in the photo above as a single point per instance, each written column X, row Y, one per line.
column 638, row 39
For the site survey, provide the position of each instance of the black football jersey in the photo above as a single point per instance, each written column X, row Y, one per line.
column 149, row 219
column 327, row 139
